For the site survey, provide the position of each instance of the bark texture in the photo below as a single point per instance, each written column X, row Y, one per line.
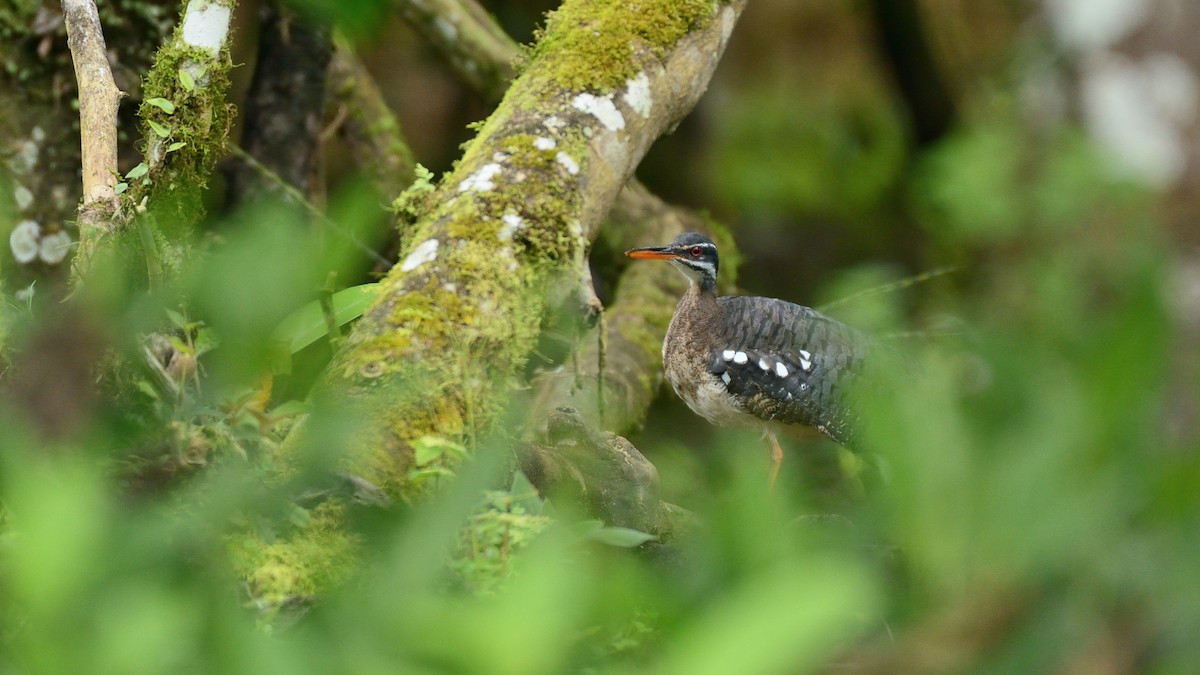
column 98, row 101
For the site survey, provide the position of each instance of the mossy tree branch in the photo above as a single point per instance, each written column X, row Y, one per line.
column 616, row 399
column 469, row 39
column 370, row 129
column 456, row 319
column 186, row 136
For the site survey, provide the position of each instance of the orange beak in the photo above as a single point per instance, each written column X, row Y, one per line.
column 651, row 253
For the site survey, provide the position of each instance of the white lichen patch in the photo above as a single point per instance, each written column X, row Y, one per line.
column 543, row 143
column 206, row 25
column 553, row 123
column 425, row 252
column 22, row 196
column 512, row 223
column 37, row 134
column 602, row 108
column 23, row 241
column 637, row 95
column 448, row 30
column 54, row 247
column 481, row 180
column 567, row 163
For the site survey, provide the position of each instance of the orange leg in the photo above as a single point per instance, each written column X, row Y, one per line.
column 776, row 451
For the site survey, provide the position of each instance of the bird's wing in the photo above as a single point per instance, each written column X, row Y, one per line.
column 790, row 364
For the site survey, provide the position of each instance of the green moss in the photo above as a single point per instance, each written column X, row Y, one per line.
column 316, row 557
column 201, row 117
column 489, row 547
column 592, row 41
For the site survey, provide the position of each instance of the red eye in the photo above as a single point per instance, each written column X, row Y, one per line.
column 695, row 251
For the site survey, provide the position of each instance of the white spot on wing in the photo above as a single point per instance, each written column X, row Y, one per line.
column 740, row 358
column 423, row 253
column 805, row 354
column 805, row 364
column 725, row 377
column 781, row 370
column 727, row 354
column 762, row 363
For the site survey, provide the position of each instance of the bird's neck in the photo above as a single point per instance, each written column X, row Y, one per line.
column 698, row 312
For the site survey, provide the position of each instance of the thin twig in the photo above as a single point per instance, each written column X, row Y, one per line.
column 891, row 287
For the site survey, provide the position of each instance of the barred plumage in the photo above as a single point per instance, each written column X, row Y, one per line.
column 756, row 362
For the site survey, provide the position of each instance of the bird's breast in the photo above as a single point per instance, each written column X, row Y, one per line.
column 686, row 368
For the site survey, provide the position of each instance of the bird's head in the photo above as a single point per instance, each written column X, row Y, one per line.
column 692, row 253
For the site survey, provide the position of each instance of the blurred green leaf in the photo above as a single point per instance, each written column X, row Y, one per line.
column 307, row 324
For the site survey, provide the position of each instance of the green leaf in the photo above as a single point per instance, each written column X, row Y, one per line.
column 176, row 146
column 417, row 476
column 162, row 104
column 307, row 324
column 291, row 409
column 159, row 129
column 137, row 171
column 428, row 449
column 186, row 80
column 147, row 389
column 181, row 346
column 179, row 320
column 121, row 187
column 620, row 536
